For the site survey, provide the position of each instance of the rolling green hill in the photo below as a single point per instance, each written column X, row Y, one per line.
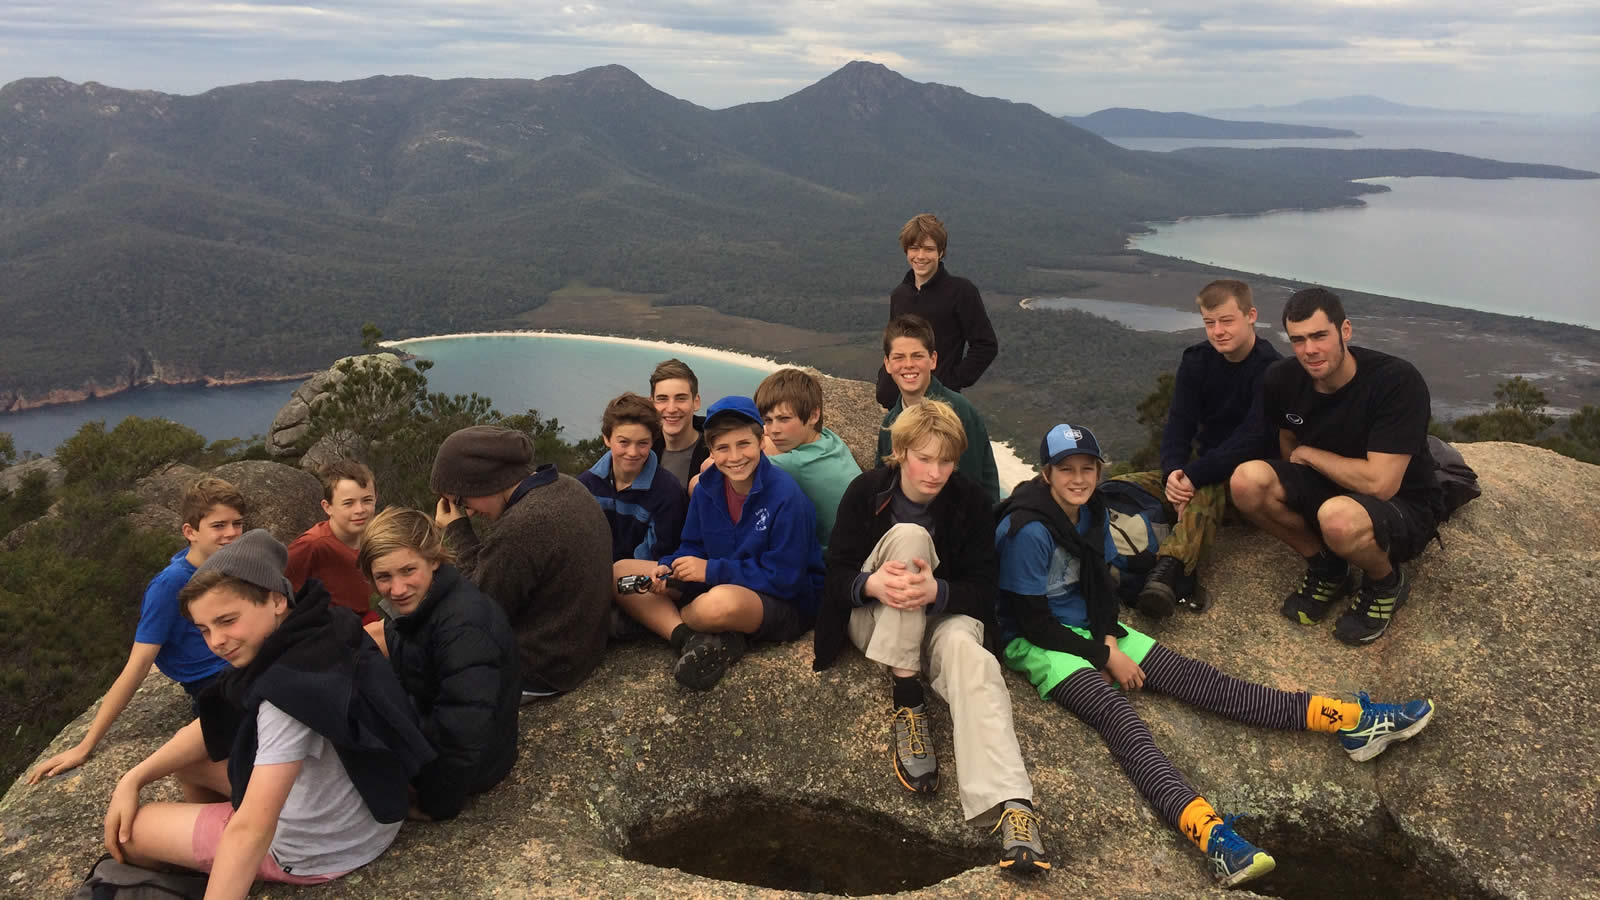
column 252, row 229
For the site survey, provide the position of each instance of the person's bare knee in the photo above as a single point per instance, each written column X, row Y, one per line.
column 1346, row 528
column 723, row 608
column 1252, row 484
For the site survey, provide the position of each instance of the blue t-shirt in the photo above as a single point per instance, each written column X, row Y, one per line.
column 184, row 656
column 1032, row 564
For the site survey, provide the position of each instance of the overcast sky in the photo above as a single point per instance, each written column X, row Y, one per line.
column 1066, row 56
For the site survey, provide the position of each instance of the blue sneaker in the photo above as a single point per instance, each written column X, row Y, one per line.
column 1382, row 724
column 1235, row 860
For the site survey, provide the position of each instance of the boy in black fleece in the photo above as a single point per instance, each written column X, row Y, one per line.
column 297, row 769
column 910, row 581
column 454, row 652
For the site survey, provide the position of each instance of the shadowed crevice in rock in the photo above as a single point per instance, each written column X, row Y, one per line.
column 778, row 843
column 1340, row 858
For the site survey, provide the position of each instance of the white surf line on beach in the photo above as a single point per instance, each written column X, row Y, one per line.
column 1010, row 466
column 728, row 356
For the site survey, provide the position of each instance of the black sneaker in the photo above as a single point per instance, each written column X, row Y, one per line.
column 1318, row 592
column 1159, row 596
column 1369, row 617
column 706, row 658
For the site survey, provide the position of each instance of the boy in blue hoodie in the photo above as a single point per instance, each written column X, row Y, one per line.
column 749, row 563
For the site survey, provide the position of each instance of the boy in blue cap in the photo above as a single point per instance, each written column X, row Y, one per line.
column 748, row 564
column 1058, row 623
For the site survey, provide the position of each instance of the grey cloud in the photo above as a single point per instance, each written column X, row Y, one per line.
column 1110, row 52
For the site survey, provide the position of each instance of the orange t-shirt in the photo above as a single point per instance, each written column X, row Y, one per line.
column 318, row 554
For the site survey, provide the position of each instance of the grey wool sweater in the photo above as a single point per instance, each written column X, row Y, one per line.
column 547, row 562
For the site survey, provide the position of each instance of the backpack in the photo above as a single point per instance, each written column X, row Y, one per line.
column 111, row 880
column 1138, row 524
column 1456, row 479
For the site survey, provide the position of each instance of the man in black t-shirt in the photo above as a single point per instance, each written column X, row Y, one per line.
column 1356, row 483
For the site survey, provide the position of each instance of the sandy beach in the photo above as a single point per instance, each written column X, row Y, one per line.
column 669, row 347
column 1011, row 466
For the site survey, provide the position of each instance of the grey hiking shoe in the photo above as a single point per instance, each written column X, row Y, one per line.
column 914, row 762
column 1020, row 849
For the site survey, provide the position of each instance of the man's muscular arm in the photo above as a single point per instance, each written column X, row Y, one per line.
column 1286, row 443
column 1379, row 474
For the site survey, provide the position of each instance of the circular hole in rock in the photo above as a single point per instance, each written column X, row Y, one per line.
column 789, row 845
column 1342, row 863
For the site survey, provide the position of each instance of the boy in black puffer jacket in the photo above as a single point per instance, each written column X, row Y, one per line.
column 454, row 652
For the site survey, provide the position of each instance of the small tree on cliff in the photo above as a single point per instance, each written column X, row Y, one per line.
column 383, row 414
column 1152, row 412
column 1518, row 415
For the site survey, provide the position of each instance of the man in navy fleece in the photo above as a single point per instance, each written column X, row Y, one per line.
column 1213, row 425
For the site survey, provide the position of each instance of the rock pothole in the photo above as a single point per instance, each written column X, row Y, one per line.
column 1340, row 860
column 778, row 843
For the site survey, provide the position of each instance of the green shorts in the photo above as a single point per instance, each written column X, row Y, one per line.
column 1048, row 668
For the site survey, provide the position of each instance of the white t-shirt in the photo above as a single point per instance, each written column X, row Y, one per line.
column 325, row 826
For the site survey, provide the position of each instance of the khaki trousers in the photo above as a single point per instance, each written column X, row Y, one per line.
column 989, row 768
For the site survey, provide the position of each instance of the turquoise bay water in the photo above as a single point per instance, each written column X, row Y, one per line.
column 563, row 377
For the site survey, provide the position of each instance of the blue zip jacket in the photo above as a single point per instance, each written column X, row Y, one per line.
column 773, row 550
column 645, row 519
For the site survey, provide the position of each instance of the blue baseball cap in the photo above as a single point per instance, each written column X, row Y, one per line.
column 735, row 405
column 1066, row 440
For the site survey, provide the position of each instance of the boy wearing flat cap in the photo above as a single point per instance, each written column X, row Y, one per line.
column 749, row 565
column 546, row 558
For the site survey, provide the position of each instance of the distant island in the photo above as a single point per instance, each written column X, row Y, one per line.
column 1121, row 121
column 1353, row 105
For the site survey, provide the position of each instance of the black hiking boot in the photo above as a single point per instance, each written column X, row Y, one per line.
column 1159, row 596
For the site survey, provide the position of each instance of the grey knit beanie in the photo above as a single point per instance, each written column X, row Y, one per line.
column 481, row 460
column 256, row 557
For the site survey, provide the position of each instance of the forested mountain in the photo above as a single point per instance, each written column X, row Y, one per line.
column 253, row 228
column 1119, row 121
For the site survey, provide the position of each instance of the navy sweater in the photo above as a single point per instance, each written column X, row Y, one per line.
column 647, row 517
column 773, row 550
column 1216, row 408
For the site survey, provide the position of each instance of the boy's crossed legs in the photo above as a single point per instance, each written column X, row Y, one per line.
column 706, row 625
column 992, row 779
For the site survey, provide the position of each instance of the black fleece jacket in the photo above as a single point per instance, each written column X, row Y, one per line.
column 321, row 668
column 963, row 536
column 1031, row 502
column 457, row 658
column 962, row 333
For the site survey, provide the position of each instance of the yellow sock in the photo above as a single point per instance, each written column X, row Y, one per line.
column 1197, row 820
column 1328, row 715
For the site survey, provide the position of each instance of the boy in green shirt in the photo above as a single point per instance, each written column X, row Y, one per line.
column 795, row 440
column 910, row 358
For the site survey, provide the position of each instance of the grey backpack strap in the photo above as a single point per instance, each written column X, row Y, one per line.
column 111, row 880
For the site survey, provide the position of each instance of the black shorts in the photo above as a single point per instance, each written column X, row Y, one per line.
column 1402, row 525
column 780, row 621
